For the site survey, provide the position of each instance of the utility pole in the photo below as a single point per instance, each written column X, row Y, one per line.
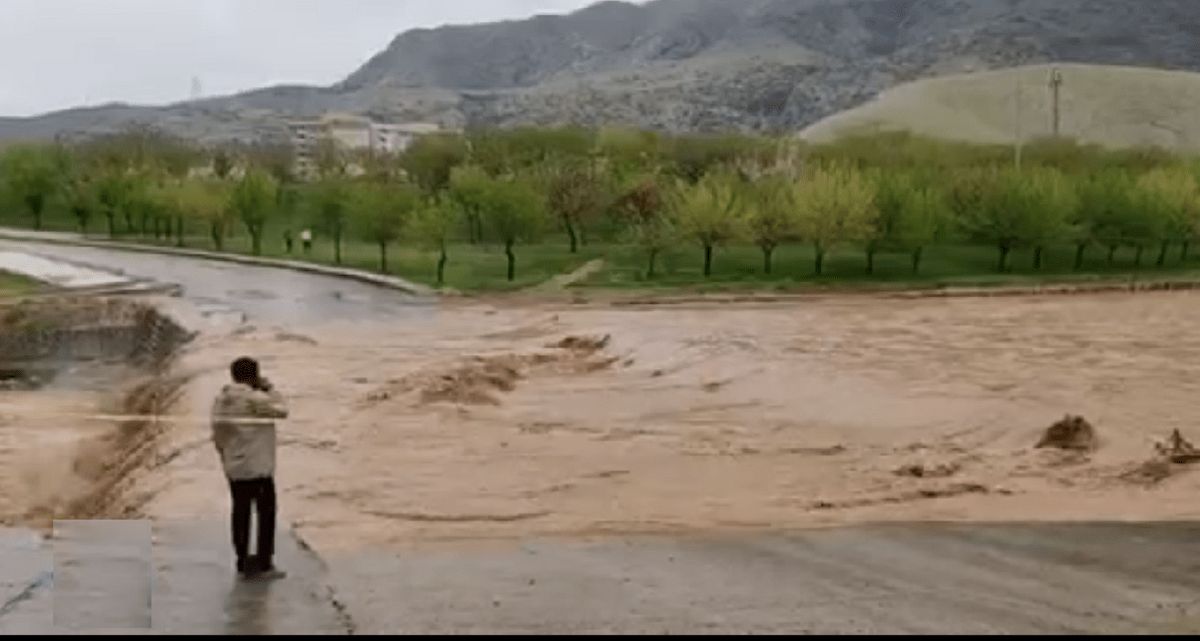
column 1055, row 83
column 1017, row 145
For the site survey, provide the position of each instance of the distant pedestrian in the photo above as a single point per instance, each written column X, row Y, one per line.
column 287, row 240
column 306, row 240
column 243, row 430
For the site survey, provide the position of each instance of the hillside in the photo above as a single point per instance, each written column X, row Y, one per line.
column 688, row 64
column 1106, row 105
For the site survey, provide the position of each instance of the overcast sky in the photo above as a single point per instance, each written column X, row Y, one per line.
column 56, row 54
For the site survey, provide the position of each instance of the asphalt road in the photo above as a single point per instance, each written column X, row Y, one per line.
column 914, row 579
column 261, row 294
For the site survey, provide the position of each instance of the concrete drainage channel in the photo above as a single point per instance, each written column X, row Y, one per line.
column 48, row 339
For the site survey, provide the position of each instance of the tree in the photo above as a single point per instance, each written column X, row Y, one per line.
column 514, row 212
column 252, row 200
column 332, row 200
column 80, row 200
column 1105, row 204
column 207, row 201
column 383, row 212
column 1053, row 200
column 330, row 158
column 432, row 225
column 1145, row 223
column 503, row 152
column 923, row 219
column 156, row 205
column 222, row 164
column 430, row 159
column 277, row 159
column 32, row 177
column 576, row 194
column 695, row 155
column 837, row 204
column 646, row 218
column 710, row 212
column 1010, row 213
column 772, row 216
column 469, row 186
column 1173, row 197
column 893, row 195
column 630, row 153
column 113, row 187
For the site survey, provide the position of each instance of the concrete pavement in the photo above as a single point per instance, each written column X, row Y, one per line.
column 1092, row 578
column 1088, row 578
column 57, row 272
column 183, row 584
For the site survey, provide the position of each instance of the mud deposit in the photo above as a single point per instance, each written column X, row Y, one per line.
column 554, row 420
column 81, row 373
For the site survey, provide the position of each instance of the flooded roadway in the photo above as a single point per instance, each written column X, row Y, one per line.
column 918, row 578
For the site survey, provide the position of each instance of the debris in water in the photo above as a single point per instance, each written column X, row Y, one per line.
column 922, row 471
column 1151, row 472
column 1071, row 433
column 1177, row 449
column 584, row 343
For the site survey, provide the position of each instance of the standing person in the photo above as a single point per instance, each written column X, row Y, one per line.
column 287, row 240
column 243, row 430
column 306, row 240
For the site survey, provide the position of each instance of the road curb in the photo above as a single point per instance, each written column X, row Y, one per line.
column 666, row 298
column 1061, row 289
column 378, row 280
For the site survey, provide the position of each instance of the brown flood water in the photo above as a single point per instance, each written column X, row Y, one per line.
column 479, row 426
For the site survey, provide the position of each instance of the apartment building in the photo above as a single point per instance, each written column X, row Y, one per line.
column 351, row 132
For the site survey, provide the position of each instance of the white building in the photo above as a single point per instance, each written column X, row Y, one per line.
column 352, row 132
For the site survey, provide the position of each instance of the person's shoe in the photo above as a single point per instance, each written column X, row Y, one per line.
column 270, row 574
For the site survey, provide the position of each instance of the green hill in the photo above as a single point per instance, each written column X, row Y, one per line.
column 1117, row 107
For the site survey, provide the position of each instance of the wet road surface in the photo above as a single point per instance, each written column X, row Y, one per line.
column 895, row 579
column 262, row 294
column 89, row 582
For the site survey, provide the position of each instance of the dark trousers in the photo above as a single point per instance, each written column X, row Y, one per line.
column 260, row 493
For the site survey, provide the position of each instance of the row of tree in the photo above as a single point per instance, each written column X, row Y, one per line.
column 649, row 192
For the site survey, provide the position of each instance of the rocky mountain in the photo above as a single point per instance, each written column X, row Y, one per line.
column 685, row 65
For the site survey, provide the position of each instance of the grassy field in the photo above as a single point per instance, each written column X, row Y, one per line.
column 481, row 268
column 1118, row 107
column 16, row 284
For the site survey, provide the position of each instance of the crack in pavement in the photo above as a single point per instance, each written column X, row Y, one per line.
column 340, row 609
column 26, row 594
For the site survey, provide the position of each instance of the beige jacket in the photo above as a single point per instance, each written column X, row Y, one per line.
column 243, row 429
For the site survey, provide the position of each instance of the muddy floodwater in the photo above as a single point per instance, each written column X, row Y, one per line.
column 493, row 423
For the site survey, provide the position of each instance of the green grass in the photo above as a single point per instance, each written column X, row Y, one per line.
column 481, row 268
column 16, row 285
column 469, row 268
column 739, row 268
